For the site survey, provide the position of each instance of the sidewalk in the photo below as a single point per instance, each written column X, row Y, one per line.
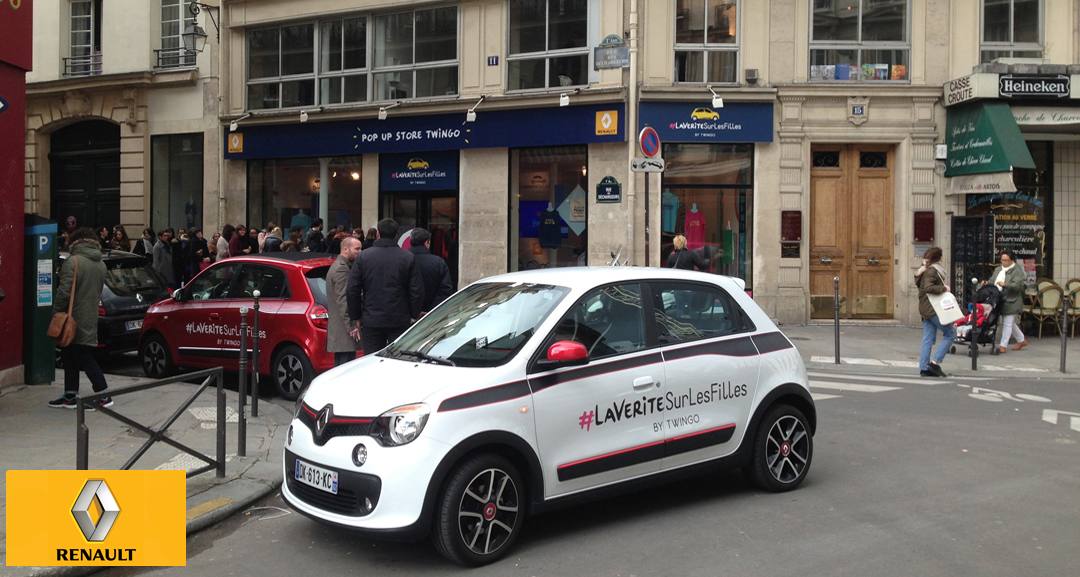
column 35, row 436
column 895, row 349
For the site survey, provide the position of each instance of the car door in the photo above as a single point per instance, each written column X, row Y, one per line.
column 201, row 331
column 597, row 423
column 710, row 367
column 273, row 286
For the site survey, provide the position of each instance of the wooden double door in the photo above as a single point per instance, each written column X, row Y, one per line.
column 851, row 230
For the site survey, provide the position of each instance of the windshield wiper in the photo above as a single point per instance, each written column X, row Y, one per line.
column 424, row 356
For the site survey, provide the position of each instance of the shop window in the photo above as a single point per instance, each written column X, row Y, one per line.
column 1024, row 220
column 85, row 39
column 175, row 18
column 416, row 54
column 281, row 67
column 1011, row 29
column 176, row 181
column 549, row 44
column 287, row 192
column 706, row 44
column 860, row 40
column 549, row 207
column 708, row 199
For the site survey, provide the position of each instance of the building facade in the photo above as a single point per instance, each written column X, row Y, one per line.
column 122, row 121
column 800, row 137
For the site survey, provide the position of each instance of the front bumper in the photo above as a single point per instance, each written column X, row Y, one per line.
column 394, row 480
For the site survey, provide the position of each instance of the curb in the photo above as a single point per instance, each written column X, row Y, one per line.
column 952, row 372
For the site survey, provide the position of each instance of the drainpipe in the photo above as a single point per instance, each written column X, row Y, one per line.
column 631, row 137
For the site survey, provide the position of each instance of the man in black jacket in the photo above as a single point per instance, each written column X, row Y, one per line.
column 385, row 290
column 433, row 270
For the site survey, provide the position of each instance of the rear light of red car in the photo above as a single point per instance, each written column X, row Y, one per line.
column 101, row 311
column 319, row 316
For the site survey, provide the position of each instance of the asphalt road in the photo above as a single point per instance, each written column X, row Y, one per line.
column 907, row 479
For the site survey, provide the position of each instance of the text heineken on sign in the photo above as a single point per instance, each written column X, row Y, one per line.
column 1011, row 86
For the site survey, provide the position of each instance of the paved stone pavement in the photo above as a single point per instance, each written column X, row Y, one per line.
column 35, row 436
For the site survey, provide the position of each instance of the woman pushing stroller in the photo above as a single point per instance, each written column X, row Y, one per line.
column 1009, row 279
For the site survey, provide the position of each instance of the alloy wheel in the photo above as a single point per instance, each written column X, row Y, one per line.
column 154, row 359
column 488, row 511
column 290, row 373
column 787, row 449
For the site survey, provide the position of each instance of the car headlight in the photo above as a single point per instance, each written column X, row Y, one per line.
column 401, row 425
column 299, row 403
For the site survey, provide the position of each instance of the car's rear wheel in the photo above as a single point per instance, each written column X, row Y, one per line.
column 783, row 449
column 292, row 372
column 156, row 359
column 480, row 511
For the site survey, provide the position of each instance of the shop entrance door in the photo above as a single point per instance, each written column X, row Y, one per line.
column 851, row 230
column 435, row 211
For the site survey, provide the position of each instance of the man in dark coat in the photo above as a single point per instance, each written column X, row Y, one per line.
column 342, row 336
column 433, row 270
column 88, row 277
column 385, row 290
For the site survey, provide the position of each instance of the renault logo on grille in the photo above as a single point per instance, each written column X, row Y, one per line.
column 95, row 510
column 324, row 418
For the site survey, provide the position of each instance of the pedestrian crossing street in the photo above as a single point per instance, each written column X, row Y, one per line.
column 825, row 386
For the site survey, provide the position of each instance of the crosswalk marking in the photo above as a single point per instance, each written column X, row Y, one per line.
column 855, row 387
column 823, row 396
column 874, row 379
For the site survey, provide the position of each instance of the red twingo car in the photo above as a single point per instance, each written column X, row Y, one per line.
column 199, row 326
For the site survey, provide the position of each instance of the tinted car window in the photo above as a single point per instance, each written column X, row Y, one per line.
column 608, row 321
column 128, row 277
column 688, row 311
column 270, row 281
column 213, row 284
column 316, row 280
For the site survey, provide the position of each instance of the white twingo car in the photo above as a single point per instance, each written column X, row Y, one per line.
column 531, row 390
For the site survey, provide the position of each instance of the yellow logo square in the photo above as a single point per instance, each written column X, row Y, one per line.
column 236, row 142
column 103, row 518
column 607, row 122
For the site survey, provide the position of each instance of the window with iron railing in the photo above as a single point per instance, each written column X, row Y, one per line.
column 175, row 18
column 84, row 39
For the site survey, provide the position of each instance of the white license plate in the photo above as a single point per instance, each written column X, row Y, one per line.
column 132, row 325
column 317, row 477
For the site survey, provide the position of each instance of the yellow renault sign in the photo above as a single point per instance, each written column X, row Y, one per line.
column 607, row 122
column 107, row 518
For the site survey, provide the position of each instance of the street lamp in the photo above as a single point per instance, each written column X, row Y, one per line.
column 194, row 36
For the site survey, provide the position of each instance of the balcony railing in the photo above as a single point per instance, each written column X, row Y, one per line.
column 174, row 58
column 83, row 65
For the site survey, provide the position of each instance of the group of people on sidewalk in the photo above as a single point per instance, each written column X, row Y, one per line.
column 930, row 278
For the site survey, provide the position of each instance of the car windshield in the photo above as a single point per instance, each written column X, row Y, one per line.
column 128, row 277
column 316, row 280
column 484, row 325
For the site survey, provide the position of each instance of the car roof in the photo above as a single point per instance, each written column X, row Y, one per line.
column 106, row 254
column 301, row 258
column 589, row 276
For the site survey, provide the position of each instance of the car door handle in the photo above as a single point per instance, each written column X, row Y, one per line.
column 214, row 316
column 642, row 383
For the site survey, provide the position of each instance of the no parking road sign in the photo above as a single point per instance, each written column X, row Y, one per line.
column 649, row 141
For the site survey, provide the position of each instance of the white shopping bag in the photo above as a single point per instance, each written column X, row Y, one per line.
column 947, row 309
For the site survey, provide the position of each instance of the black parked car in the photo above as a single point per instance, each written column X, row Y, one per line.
column 131, row 286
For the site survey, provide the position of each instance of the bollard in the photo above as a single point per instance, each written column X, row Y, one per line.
column 241, row 425
column 1064, row 327
column 255, row 356
column 836, row 316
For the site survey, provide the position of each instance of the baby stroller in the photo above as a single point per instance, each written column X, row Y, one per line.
column 986, row 306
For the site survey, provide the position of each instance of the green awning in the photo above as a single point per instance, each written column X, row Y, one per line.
column 983, row 138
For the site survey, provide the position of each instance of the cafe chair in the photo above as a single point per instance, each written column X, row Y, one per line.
column 1048, row 306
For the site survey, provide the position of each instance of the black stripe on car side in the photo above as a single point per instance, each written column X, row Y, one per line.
column 495, row 394
column 645, row 453
column 772, row 342
column 540, row 383
column 737, row 347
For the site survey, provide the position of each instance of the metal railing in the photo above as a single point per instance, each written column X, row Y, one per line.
column 174, row 58
column 83, row 65
column 82, row 457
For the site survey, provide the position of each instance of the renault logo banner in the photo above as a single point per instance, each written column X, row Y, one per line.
column 104, row 518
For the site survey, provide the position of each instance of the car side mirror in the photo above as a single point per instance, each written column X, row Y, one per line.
column 564, row 354
column 178, row 295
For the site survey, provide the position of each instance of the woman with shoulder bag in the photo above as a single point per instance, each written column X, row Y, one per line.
column 1009, row 279
column 78, row 291
column 930, row 278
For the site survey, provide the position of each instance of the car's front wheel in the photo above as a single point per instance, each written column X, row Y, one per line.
column 783, row 449
column 292, row 372
column 480, row 511
column 156, row 360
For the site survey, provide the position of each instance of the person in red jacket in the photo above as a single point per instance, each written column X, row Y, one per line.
column 237, row 244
